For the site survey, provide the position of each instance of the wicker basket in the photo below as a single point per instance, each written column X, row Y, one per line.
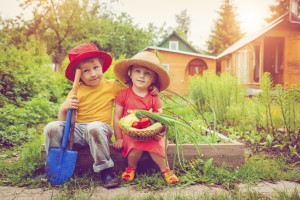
column 142, row 135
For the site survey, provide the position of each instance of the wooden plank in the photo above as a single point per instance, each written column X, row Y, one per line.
column 232, row 154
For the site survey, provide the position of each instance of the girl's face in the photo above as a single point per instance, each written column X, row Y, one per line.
column 91, row 72
column 142, row 77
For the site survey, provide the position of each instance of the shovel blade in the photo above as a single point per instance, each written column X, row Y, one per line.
column 60, row 165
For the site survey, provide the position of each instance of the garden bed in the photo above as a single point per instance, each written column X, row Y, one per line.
column 230, row 152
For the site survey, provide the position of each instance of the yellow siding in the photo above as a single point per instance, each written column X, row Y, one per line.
column 291, row 61
column 178, row 65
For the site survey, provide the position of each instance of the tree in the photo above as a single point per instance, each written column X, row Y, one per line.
column 280, row 8
column 226, row 30
column 55, row 20
column 119, row 36
column 63, row 24
column 183, row 24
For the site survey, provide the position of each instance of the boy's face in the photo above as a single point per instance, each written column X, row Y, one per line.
column 91, row 72
column 142, row 77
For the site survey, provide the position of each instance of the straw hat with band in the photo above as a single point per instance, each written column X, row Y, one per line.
column 146, row 59
column 82, row 52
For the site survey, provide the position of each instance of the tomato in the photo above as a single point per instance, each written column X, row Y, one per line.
column 135, row 125
column 144, row 122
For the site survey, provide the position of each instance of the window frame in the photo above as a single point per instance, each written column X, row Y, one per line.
column 174, row 45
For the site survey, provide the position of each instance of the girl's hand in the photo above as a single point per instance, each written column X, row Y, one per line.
column 118, row 144
column 154, row 90
column 162, row 133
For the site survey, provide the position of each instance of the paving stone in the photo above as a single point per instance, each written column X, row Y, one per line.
column 7, row 193
column 267, row 188
column 264, row 188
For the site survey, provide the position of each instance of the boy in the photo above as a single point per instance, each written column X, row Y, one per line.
column 94, row 103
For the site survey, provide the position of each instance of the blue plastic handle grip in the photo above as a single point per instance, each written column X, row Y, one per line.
column 67, row 129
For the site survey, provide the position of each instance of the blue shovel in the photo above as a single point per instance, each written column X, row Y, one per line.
column 61, row 161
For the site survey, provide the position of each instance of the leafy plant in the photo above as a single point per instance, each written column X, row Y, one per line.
column 21, row 172
column 266, row 99
column 179, row 127
column 217, row 93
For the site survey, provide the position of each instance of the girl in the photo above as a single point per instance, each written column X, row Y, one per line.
column 140, row 72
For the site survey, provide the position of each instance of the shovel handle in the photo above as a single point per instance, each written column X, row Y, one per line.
column 70, row 121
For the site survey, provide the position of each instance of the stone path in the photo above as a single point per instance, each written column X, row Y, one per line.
column 264, row 188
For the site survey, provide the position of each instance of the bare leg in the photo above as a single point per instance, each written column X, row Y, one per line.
column 160, row 161
column 133, row 157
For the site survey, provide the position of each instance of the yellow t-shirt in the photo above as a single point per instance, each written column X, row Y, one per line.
column 96, row 103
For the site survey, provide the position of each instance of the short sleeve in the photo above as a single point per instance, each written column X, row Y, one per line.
column 156, row 104
column 121, row 98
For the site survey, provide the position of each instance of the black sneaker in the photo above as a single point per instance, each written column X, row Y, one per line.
column 109, row 178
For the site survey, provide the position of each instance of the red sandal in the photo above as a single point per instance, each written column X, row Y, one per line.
column 170, row 177
column 129, row 174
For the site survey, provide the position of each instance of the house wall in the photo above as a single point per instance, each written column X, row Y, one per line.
column 178, row 64
column 181, row 45
column 291, row 61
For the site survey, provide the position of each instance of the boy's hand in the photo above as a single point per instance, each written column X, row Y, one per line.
column 118, row 144
column 154, row 90
column 70, row 103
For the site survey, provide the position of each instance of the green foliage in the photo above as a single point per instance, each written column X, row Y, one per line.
column 268, row 121
column 109, row 74
column 256, row 169
column 65, row 24
column 31, row 90
column 22, row 171
column 287, row 100
column 266, row 99
column 278, row 9
column 15, row 126
column 26, row 72
column 217, row 93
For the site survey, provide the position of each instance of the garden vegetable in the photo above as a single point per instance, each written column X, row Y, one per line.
column 135, row 125
column 146, row 131
column 140, row 129
column 126, row 122
column 144, row 122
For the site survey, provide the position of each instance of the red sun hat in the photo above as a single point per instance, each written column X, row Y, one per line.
column 82, row 52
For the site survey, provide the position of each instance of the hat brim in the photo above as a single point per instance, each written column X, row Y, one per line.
column 70, row 70
column 121, row 71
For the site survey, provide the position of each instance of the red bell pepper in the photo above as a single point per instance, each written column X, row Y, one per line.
column 144, row 122
column 135, row 125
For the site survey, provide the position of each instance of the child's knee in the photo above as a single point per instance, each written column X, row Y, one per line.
column 95, row 134
column 99, row 129
column 51, row 129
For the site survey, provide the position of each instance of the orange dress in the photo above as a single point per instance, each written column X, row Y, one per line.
column 130, row 101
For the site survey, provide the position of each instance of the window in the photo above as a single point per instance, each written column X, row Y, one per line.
column 295, row 11
column 227, row 69
column 196, row 67
column 173, row 45
column 166, row 67
column 274, row 52
column 278, row 56
column 256, row 72
column 242, row 65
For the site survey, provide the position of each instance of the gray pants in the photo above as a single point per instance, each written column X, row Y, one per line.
column 96, row 135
